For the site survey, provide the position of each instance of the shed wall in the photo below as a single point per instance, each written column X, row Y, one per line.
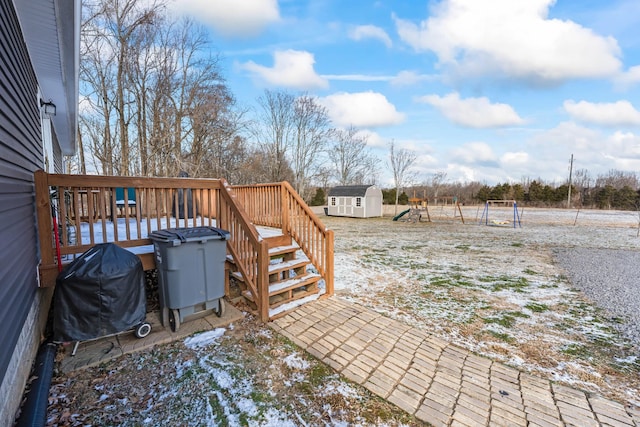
column 373, row 202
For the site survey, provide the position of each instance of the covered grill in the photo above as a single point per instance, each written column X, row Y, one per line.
column 100, row 293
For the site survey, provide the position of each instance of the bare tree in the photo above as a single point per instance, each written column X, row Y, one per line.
column 97, row 74
column 437, row 180
column 312, row 132
column 115, row 27
column 618, row 179
column 157, row 104
column 274, row 131
column 109, row 29
column 400, row 161
column 351, row 159
column 80, row 155
column 582, row 181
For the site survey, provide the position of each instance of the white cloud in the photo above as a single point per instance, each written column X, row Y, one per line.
column 361, row 109
column 593, row 150
column 629, row 78
column 514, row 158
column 473, row 112
column 579, row 139
column 606, row 113
column 624, row 145
column 513, row 38
column 291, row 68
column 461, row 173
column 408, row 78
column 622, row 151
column 474, row 153
column 233, row 18
column 403, row 78
column 374, row 139
column 357, row 77
column 362, row 32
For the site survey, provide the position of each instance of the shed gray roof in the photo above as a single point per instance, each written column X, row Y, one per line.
column 349, row 190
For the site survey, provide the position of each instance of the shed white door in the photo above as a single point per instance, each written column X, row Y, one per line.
column 345, row 206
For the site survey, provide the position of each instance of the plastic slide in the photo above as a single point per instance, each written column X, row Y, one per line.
column 401, row 214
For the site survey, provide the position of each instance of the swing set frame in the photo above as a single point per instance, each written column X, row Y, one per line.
column 517, row 222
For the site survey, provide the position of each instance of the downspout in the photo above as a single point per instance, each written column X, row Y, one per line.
column 34, row 410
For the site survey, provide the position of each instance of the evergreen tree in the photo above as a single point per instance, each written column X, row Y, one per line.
column 319, row 199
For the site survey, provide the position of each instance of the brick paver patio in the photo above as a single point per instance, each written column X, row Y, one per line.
column 436, row 381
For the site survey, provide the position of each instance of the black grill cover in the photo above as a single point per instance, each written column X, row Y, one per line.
column 100, row 293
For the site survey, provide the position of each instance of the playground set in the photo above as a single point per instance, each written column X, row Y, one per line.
column 419, row 208
column 500, row 213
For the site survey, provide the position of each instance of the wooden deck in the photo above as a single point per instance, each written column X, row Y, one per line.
column 124, row 210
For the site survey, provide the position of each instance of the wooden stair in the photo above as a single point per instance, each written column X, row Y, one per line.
column 292, row 277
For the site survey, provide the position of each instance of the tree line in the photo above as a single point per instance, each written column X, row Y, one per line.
column 614, row 189
column 154, row 102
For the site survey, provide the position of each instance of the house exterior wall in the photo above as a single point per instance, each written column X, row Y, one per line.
column 23, row 306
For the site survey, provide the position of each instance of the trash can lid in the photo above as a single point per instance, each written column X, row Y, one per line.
column 187, row 234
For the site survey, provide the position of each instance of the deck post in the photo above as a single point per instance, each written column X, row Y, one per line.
column 284, row 208
column 263, row 281
column 48, row 268
column 329, row 262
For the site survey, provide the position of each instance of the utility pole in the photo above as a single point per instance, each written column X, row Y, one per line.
column 570, row 172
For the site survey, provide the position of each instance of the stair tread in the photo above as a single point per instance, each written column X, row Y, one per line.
column 266, row 232
column 285, row 265
column 278, row 287
column 279, row 250
column 275, row 251
column 279, row 266
column 284, row 301
column 297, row 296
column 282, row 308
column 301, row 280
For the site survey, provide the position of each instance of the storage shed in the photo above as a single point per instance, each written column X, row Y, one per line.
column 359, row 201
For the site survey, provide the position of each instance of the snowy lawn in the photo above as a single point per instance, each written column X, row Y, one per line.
column 496, row 290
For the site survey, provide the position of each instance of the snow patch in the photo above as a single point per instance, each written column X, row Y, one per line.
column 343, row 389
column 294, row 361
column 204, row 339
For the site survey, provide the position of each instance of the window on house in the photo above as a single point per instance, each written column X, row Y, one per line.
column 358, row 202
column 333, row 201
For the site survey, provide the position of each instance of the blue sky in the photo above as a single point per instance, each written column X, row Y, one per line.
column 485, row 90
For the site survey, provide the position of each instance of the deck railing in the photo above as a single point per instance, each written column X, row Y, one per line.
column 92, row 209
column 125, row 210
column 279, row 205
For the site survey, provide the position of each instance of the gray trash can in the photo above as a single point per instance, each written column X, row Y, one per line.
column 190, row 264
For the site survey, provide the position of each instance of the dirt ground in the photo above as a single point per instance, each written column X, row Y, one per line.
column 495, row 290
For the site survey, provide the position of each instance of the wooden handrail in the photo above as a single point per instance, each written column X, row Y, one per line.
column 315, row 240
column 248, row 249
column 279, row 205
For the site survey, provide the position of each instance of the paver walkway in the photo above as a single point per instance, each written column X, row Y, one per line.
column 436, row 381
